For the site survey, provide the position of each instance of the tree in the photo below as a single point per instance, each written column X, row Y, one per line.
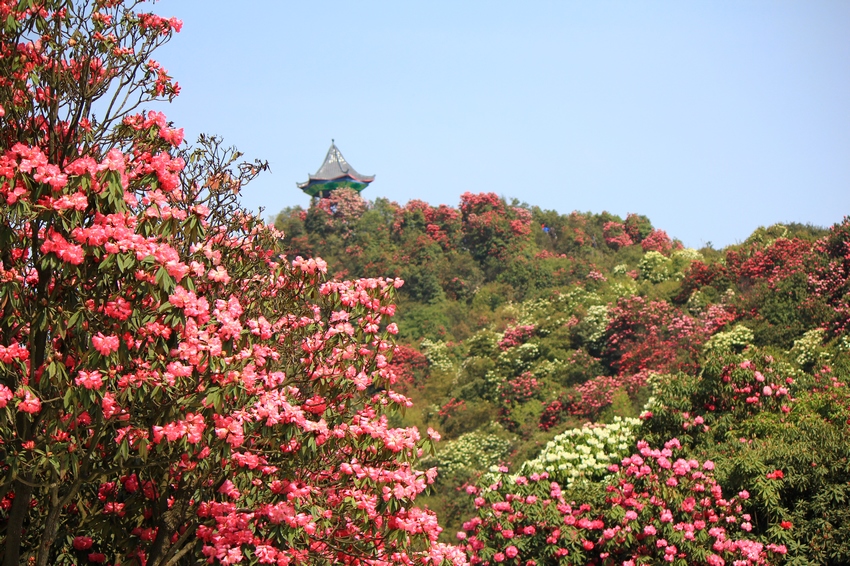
column 172, row 387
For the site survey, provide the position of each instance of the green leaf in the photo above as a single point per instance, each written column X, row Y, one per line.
column 40, row 322
column 124, row 450
column 125, row 262
column 68, row 397
column 164, row 280
column 75, row 319
column 107, row 263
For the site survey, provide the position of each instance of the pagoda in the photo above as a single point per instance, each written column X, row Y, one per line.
column 335, row 173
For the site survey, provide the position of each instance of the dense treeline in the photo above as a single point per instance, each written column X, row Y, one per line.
column 518, row 325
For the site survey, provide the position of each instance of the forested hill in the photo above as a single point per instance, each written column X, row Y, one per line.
column 460, row 263
column 517, row 325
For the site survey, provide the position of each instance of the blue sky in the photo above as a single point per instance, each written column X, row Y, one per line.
column 711, row 118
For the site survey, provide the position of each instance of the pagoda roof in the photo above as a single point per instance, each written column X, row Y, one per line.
column 335, row 170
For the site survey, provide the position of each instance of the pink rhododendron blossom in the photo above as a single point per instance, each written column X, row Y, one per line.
column 89, row 379
column 105, row 344
column 29, row 403
column 6, row 395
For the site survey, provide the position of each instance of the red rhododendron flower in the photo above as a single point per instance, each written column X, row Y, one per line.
column 82, row 543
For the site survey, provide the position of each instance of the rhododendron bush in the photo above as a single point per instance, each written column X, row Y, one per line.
column 173, row 388
column 655, row 507
column 776, row 431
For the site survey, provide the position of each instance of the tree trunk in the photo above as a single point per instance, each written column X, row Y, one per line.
column 51, row 523
column 14, row 528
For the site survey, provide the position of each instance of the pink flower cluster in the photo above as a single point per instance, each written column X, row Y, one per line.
column 659, row 509
column 750, row 390
column 616, row 235
column 597, row 393
column 516, row 335
column 658, row 241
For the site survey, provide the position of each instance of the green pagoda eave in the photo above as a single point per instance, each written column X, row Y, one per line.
column 324, row 188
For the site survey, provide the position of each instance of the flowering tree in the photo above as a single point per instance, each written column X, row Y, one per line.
column 616, row 235
column 637, row 227
column 172, row 388
column 658, row 241
column 441, row 224
column 491, row 228
column 340, row 211
column 655, row 335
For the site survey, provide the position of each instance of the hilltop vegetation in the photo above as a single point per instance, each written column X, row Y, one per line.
column 518, row 325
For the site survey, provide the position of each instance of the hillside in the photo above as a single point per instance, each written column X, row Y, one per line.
column 517, row 325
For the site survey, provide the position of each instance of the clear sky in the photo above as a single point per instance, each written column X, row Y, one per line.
column 711, row 118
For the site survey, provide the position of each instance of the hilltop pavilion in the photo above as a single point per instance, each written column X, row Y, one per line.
column 335, row 173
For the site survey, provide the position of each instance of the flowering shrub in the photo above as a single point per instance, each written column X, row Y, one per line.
column 515, row 336
column 774, row 431
column 172, row 387
column 437, row 355
column 519, row 389
column 518, row 397
column 775, row 291
column 593, row 326
column 809, row 348
column 471, row 453
column 687, row 255
column 656, row 508
column 584, row 453
column 655, row 267
column 733, row 340
column 742, row 388
column 595, row 394
column 519, row 359
column 655, row 335
column 773, row 263
column 658, row 241
column 408, row 365
column 551, row 414
column 637, row 227
column 490, row 227
column 343, row 208
column 829, row 280
column 616, row 235
column 442, row 224
column 699, row 274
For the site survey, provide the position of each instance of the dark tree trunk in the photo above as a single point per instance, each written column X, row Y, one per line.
column 14, row 528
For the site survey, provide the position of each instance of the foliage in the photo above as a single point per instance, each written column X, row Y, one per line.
column 470, row 453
